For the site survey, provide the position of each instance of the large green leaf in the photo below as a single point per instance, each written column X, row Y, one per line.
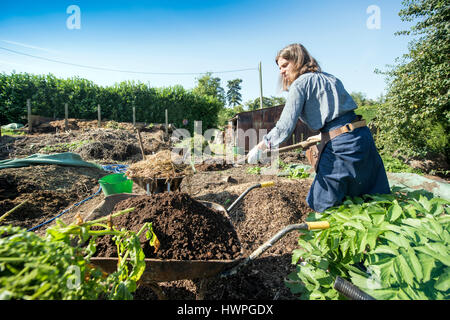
column 428, row 263
column 433, row 251
column 443, row 283
column 385, row 249
column 403, row 271
column 396, row 239
column 394, row 212
column 372, row 235
column 413, row 262
column 425, row 203
column 355, row 224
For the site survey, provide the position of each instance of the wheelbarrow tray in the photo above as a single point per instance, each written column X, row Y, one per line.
column 166, row 270
column 163, row 270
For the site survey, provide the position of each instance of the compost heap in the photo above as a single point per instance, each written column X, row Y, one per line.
column 163, row 164
column 186, row 229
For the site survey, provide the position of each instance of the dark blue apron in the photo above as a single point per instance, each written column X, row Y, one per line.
column 349, row 166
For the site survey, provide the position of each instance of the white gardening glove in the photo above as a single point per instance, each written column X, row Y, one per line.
column 315, row 138
column 256, row 153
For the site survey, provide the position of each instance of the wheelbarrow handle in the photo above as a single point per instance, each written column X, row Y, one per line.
column 315, row 225
column 258, row 185
column 318, row 225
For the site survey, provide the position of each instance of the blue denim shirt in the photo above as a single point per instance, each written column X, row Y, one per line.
column 320, row 101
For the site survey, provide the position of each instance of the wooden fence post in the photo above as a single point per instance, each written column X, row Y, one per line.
column 134, row 116
column 99, row 115
column 66, row 116
column 30, row 122
column 167, row 123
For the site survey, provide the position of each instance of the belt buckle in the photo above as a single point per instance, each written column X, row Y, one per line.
column 348, row 127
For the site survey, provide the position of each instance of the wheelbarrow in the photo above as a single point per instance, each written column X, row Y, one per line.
column 165, row 270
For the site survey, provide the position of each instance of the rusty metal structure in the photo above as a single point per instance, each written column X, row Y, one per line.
column 248, row 128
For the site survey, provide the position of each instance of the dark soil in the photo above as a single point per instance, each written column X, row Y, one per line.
column 212, row 166
column 186, row 229
column 48, row 189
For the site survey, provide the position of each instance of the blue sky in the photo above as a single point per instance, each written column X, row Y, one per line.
column 187, row 38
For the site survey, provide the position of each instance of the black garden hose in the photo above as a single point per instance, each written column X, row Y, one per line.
column 350, row 291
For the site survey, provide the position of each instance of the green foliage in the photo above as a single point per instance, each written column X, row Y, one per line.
column 368, row 112
column 391, row 246
column 392, row 164
column 48, row 95
column 53, row 268
column 267, row 103
column 208, row 85
column 415, row 120
column 234, row 97
column 292, row 171
column 297, row 173
column 254, row 170
column 225, row 114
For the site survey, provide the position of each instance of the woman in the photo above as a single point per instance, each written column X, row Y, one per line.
column 349, row 163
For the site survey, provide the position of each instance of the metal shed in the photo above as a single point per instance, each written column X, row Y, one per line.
column 248, row 128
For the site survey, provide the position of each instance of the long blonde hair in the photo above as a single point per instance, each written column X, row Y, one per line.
column 302, row 60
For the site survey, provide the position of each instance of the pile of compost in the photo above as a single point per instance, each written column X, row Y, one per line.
column 47, row 190
column 186, row 229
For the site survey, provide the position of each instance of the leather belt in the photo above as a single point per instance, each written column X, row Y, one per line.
column 314, row 152
column 349, row 127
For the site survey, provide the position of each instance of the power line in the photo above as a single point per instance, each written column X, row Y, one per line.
column 123, row 71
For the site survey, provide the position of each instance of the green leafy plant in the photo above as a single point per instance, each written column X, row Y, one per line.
column 297, row 173
column 254, row 170
column 391, row 246
column 292, row 172
column 34, row 267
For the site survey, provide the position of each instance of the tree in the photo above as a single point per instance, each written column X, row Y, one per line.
column 210, row 86
column 267, row 102
column 225, row 114
column 359, row 98
column 234, row 97
column 415, row 120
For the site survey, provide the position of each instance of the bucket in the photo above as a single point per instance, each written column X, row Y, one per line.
column 116, row 183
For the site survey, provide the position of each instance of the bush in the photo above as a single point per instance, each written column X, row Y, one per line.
column 48, row 95
column 415, row 120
